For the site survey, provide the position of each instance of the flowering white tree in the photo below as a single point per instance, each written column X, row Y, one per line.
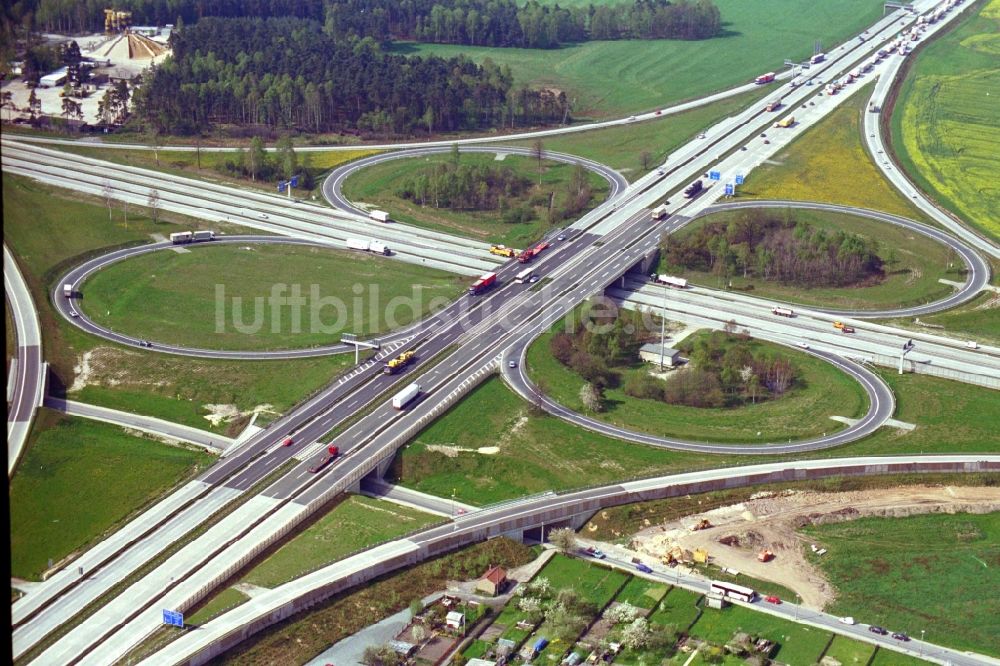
column 636, row 635
column 622, row 613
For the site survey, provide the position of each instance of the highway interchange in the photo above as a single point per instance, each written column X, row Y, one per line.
column 457, row 347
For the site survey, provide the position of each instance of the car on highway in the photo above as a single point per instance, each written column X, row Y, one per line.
column 847, row 619
column 875, row 629
column 561, row 237
column 767, row 141
column 262, row 216
column 643, row 568
column 145, row 343
column 74, row 314
column 900, row 636
column 804, row 345
column 511, row 364
column 771, row 599
column 763, row 135
column 631, row 118
column 701, row 136
column 596, row 553
column 288, row 441
column 659, row 111
column 660, row 172
column 534, row 279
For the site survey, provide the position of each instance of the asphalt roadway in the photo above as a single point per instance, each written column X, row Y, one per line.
column 29, row 373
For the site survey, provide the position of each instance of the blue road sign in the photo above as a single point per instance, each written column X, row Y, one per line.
column 739, row 179
column 294, row 181
column 281, row 185
column 729, row 189
column 173, row 618
column 715, row 175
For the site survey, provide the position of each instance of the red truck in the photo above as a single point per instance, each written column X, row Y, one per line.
column 483, row 283
column 531, row 253
column 764, row 78
column 331, row 453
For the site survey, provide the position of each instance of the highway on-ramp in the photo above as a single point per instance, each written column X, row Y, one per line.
column 29, row 373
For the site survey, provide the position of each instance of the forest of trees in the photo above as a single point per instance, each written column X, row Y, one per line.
column 231, row 71
column 724, row 371
column 473, row 22
column 484, row 187
column 769, row 246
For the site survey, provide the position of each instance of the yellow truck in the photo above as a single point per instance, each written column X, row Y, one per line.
column 786, row 122
column 503, row 251
column 398, row 363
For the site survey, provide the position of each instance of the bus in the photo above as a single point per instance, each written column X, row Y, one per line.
column 732, row 591
column 523, row 276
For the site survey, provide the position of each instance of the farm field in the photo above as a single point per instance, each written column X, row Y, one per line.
column 641, row 75
column 800, row 413
column 848, row 651
column 798, row 644
column 377, row 185
column 78, row 479
column 891, row 583
column 599, row 585
column 51, row 230
column 913, row 266
column 180, row 298
column 828, row 163
column 945, row 131
column 355, row 523
column 642, row 593
column 679, row 608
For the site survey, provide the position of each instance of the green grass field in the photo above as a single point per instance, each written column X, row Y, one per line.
column 356, row 522
column 946, row 125
column 928, row 572
column 534, row 453
column 679, row 608
column 639, row 75
column 78, row 479
column 187, row 163
column 223, row 601
column 801, row 413
column 849, row 652
column 50, row 230
column 890, row 658
column 979, row 320
column 828, row 163
column 798, row 644
column 642, row 593
column 597, row 584
column 376, row 185
column 622, row 147
column 911, row 279
column 220, row 296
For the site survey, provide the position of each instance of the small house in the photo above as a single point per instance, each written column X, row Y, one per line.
column 653, row 352
column 454, row 620
column 493, row 582
column 402, row 648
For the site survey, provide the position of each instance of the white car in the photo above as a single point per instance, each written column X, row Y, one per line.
column 847, row 620
column 631, row 118
column 263, row 216
column 804, row 345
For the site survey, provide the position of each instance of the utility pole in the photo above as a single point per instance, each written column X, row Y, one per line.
column 663, row 326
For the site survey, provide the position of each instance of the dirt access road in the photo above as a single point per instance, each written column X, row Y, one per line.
column 771, row 520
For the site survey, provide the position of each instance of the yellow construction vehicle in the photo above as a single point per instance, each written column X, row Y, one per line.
column 398, row 363
column 503, row 251
column 787, row 122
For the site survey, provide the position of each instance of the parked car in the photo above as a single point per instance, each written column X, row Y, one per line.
column 771, row 599
column 875, row 629
column 900, row 636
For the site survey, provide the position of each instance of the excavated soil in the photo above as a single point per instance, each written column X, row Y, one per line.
column 771, row 520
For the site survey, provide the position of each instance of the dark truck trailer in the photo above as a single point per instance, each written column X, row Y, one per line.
column 693, row 189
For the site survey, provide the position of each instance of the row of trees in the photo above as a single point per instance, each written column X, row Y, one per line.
column 768, row 246
column 528, row 25
column 257, row 163
column 232, row 71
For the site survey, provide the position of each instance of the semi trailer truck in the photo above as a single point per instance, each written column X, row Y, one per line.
column 404, row 397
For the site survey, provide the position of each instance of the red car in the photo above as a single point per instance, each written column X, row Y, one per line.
column 659, row 111
column 288, row 441
column 772, row 599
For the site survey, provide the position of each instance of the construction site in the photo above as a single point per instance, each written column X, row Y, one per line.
column 761, row 538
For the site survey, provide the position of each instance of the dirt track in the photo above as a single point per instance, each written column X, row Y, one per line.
column 770, row 520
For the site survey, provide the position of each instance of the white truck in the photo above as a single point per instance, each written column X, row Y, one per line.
column 660, row 212
column 68, row 290
column 783, row 312
column 403, row 398
column 181, row 237
column 199, row 236
column 373, row 246
column 379, row 215
column 671, row 281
